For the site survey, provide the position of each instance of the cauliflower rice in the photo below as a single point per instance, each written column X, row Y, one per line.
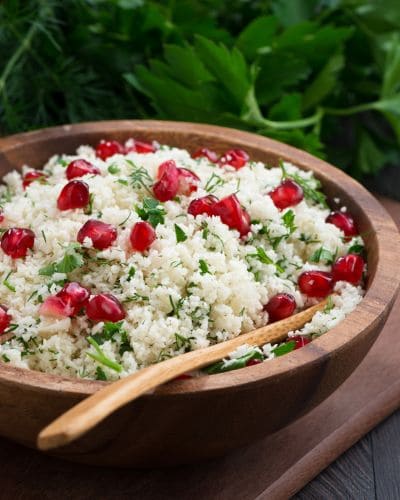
column 196, row 285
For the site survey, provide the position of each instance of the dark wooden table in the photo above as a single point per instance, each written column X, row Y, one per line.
column 368, row 470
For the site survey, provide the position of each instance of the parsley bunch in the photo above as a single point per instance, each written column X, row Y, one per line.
column 323, row 75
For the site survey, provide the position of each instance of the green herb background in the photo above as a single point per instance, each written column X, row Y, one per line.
column 323, row 75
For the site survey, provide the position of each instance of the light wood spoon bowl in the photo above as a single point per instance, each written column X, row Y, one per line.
column 87, row 414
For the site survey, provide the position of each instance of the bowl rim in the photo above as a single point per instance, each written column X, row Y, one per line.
column 380, row 295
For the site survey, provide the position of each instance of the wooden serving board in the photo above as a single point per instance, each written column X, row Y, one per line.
column 274, row 468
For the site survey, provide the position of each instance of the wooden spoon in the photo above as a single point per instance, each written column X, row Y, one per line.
column 89, row 412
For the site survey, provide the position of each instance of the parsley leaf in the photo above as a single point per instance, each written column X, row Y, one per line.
column 151, row 211
column 72, row 260
column 322, row 254
column 180, row 234
column 203, row 267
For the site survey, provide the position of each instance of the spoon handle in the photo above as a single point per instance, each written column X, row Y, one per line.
column 92, row 410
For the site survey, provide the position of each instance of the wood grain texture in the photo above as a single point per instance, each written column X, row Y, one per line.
column 81, row 418
column 273, row 468
column 200, row 418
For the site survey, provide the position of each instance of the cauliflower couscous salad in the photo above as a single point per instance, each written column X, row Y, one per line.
column 124, row 255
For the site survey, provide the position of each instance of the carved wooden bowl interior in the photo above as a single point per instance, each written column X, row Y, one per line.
column 190, row 420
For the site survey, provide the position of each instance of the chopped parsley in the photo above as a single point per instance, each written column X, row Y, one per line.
column 233, row 364
column 288, row 220
column 284, row 348
column 7, row 284
column 176, row 306
column 357, row 249
column 100, row 375
column 89, row 208
column 114, row 169
column 151, row 211
column 182, row 342
column 180, row 234
column 139, row 177
column 264, row 259
column 131, row 273
column 322, row 254
column 101, row 358
column 203, row 267
column 72, row 260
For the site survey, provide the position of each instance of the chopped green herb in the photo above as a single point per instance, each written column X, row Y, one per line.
column 322, row 254
column 125, row 344
column 180, row 234
column 357, row 248
column 44, row 236
column 131, row 273
column 62, row 162
column 203, row 267
column 100, row 375
column 114, row 169
column 284, row 348
column 101, row 358
column 136, row 297
column 151, row 211
column 5, row 358
column 89, row 208
column 124, row 182
column 126, row 218
column 139, row 177
column 329, row 305
column 7, row 284
column 288, row 220
column 308, row 240
column 235, row 363
column 213, row 182
column 182, row 342
column 176, row 307
column 72, row 260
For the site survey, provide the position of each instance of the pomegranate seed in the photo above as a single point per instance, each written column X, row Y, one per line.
column 32, row 176
column 1, row 216
column 237, row 158
column 206, row 153
column 75, row 194
column 102, row 235
column 254, row 361
column 188, row 181
column 5, row 319
column 287, row 194
column 55, row 307
column 75, row 295
column 167, row 186
column 142, row 236
column 134, row 146
column 232, row 214
column 105, row 149
column 105, row 307
column 184, row 376
column 344, row 222
column 280, row 306
column 202, row 205
column 349, row 268
column 316, row 283
column 300, row 341
column 67, row 302
column 79, row 168
column 16, row 241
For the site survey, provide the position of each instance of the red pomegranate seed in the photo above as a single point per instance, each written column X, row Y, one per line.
column 254, row 361
column 105, row 149
column 316, row 283
column 202, row 205
column 16, row 241
column 55, row 307
column 184, row 376
column 237, row 158
column 206, row 153
column 105, row 307
column 142, row 236
column 1, row 216
column 188, row 181
column 167, row 186
column 287, row 194
column 75, row 194
column 102, row 235
column 344, row 222
column 280, row 306
column 79, row 168
column 5, row 319
column 349, row 268
column 75, row 295
column 67, row 302
column 134, row 146
column 32, row 176
column 232, row 214
column 300, row 341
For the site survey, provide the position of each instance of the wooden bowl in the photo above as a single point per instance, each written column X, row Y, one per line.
column 190, row 420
